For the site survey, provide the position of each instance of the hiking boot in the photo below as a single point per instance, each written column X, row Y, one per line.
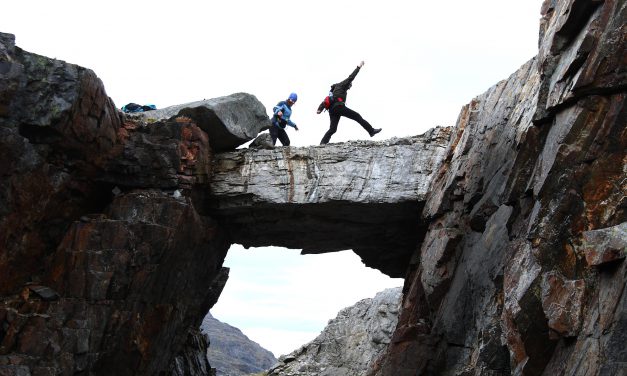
column 375, row 131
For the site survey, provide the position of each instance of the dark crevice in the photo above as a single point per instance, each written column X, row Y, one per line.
column 458, row 345
column 40, row 134
column 580, row 13
column 579, row 95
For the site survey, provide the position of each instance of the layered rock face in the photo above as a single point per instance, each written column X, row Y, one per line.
column 350, row 343
column 358, row 195
column 231, row 353
column 105, row 269
column 510, row 233
column 522, row 269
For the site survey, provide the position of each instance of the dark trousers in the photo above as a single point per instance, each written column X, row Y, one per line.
column 335, row 114
column 281, row 134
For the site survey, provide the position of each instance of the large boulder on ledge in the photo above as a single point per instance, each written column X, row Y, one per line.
column 229, row 121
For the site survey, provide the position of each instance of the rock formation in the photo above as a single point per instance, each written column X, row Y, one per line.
column 231, row 353
column 522, row 269
column 228, row 121
column 350, row 343
column 509, row 228
column 300, row 197
column 105, row 269
column 192, row 359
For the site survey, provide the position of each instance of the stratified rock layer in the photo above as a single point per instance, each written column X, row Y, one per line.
column 359, row 195
column 350, row 343
column 122, row 298
column 113, row 230
column 100, row 273
column 522, row 269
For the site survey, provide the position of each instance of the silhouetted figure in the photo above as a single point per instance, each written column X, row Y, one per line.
column 337, row 107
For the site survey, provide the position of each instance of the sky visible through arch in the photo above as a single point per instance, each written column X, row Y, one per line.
column 423, row 62
column 282, row 300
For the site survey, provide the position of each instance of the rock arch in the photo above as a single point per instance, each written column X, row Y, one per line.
column 520, row 269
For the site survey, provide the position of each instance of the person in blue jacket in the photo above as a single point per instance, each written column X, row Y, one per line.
column 281, row 119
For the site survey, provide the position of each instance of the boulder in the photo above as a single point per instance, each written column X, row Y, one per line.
column 229, row 121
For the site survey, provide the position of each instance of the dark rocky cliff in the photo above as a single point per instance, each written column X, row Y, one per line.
column 522, row 269
column 231, row 353
column 104, row 269
column 512, row 240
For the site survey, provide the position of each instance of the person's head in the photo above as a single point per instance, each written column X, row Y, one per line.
column 292, row 98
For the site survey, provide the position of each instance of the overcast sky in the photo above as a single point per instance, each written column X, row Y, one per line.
column 423, row 62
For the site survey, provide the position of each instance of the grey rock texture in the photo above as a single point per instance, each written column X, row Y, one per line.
column 113, row 229
column 230, row 352
column 301, row 197
column 263, row 141
column 605, row 245
column 229, row 121
column 522, row 269
column 350, row 343
column 392, row 171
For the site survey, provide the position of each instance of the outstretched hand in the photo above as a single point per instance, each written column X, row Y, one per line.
column 361, row 64
column 296, row 127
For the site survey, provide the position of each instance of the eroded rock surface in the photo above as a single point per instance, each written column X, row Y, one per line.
column 511, row 241
column 123, row 300
column 521, row 271
column 350, row 343
column 104, row 266
column 56, row 122
column 358, row 195
column 229, row 121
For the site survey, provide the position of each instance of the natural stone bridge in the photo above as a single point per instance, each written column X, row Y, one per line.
column 365, row 196
column 105, row 267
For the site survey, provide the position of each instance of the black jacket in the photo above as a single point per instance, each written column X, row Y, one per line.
column 340, row 89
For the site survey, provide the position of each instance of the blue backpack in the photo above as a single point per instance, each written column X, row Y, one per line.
column 134, row 107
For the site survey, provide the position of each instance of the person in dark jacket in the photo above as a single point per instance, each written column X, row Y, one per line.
column 338, row 108
column 281, row 119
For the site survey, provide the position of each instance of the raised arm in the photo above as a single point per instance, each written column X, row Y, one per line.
column 347, row 82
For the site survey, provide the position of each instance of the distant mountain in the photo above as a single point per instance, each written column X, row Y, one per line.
column 350, row 343
column 231, row 353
